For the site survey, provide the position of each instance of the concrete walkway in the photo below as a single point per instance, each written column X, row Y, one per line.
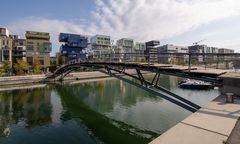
column 212, row 124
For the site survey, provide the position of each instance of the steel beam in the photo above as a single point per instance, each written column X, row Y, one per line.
column 187, row 107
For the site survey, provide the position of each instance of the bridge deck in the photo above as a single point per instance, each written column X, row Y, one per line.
column 211, row 75
column 208, row 71
column 178, row 68
column 233, row 75
column 198, row 71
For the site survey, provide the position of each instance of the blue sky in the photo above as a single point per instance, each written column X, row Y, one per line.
column 179, row 22
column 60, row 9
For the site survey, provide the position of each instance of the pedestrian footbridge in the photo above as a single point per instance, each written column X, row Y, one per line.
column 114, row 69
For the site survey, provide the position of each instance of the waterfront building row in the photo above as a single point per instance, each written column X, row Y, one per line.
column 36, row 47
column 102, row 47
column 181, row 59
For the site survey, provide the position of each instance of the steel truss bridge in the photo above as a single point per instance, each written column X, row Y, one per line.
column 115, row 69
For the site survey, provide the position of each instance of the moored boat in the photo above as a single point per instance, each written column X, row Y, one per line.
column 194, row 84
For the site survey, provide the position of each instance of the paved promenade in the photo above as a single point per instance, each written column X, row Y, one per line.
column 212, row 124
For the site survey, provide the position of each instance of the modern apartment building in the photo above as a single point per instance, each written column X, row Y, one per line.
column 172, row 59
column 6, row 44
column 101, row 46
column 117, row 53
column 203, row 49
column 19, row 49
column 139, row 49
column 127, row 47
column 151, row 51
column 200, row 49
column 225, row 50
column 38, row 48
column 73, row 46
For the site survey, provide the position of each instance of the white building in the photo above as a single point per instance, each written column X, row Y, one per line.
column 174, row 59
column 204, row 49
column 139, row 50
column 101, row 46
column 126, row 45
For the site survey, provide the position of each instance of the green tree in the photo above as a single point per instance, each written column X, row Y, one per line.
column 21, row 66
column 6, row 66
column 1, row 71
column 36, row 66
column 61, row 60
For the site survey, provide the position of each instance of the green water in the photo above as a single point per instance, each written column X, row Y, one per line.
column 109, row 111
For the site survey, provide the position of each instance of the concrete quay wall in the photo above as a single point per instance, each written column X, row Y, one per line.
column 212, row 124
column 28, row 79
column 231, row 83
column 15, row 80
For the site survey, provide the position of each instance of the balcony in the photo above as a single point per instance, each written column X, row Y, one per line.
column 45, row 47
column 37, row 35
column 18, row 55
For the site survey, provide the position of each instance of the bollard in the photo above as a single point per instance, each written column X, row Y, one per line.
column 229, row 98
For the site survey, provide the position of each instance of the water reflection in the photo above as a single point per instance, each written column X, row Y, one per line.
column 31, row 106
column 106, row 129
column 109, row 111
column 103, row 96
column 133, row 106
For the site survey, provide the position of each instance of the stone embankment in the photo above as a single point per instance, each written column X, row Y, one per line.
column 17, row 80
column 30, row 79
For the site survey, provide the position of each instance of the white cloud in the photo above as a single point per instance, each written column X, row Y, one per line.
column 139, row 19
column 53, row 26
column 157, row 19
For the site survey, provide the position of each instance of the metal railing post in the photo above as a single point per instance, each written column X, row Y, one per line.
column 148, row 59
column 189, row 62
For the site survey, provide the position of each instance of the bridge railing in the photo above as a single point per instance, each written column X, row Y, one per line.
column 229, row 61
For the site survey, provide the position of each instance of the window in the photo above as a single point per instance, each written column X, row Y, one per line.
column 29, row 42
column 30, row 48
column 41, row 62
column 30, row 60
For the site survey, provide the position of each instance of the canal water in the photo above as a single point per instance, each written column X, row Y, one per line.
column 109, row 111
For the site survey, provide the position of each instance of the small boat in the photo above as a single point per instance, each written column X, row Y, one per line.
column 194, row 84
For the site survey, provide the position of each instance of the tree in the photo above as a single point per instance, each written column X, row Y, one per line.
column 6, row 66
column 21, row 66
column 1, row 71
column 61, row 60
column 36, row 66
